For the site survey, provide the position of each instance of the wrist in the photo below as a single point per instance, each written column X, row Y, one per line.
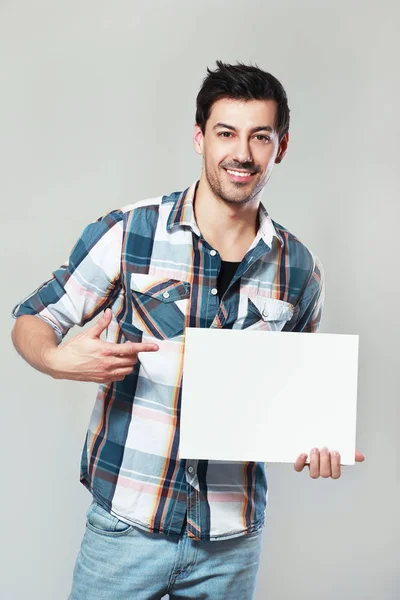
column 51, row 363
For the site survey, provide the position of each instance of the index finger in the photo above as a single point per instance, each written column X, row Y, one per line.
column 300, row 463
column 130, row 348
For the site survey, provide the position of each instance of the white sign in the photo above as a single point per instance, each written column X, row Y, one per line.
column 268, row 396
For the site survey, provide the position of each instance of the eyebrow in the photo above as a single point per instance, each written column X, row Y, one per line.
column 254, row 130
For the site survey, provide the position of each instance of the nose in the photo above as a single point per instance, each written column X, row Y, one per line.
column 242, row 152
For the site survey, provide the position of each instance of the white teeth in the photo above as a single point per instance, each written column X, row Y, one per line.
column 238, row 174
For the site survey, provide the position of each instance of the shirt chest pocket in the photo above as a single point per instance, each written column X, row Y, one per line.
column 267, row 314
column 159, row 306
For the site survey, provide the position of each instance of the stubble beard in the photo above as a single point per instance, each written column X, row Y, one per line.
column 240, row 198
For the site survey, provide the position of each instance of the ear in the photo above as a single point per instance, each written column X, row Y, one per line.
column 283, row 146
column 198, row 140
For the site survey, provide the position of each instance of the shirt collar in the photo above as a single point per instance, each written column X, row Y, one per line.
column 267, row 230
column 182, row 214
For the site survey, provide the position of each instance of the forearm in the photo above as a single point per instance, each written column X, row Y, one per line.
column 34, row 340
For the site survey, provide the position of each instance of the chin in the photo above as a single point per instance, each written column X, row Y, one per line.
column 234, row 194
column 238, row 195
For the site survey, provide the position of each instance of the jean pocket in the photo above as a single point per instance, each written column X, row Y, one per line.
column 102, row 522
column 159, row 306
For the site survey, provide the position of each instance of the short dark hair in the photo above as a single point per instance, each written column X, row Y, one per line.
column 241, row 82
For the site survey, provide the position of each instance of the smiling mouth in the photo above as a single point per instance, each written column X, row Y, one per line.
column 239, row 175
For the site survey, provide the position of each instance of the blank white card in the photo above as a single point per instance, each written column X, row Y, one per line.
column 268, row 396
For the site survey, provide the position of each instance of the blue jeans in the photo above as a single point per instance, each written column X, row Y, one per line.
column 121, row 562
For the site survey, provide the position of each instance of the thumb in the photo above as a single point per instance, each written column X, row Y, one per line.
column 101, row 324
column 359, row 456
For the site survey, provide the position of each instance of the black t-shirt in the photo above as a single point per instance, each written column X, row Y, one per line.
column 228, row 269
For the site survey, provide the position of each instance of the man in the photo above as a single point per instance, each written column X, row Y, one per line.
column 207, row 257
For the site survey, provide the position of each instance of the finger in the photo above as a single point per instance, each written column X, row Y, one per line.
column 129, row 348
column 335, row 464
column 300, row 463
column 122, row 362
column 97, row 329
column 325, row 463
column 314, row 463
column 120, row 374
column 359, row 457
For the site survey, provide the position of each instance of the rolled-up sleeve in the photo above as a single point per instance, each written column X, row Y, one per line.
column 86, row 284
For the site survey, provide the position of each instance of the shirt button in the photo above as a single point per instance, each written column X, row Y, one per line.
column 190, row 470
column 166, row 295
column 214, row 291
column 213, row 252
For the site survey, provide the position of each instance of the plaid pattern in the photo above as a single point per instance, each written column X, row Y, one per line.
column 150, row 264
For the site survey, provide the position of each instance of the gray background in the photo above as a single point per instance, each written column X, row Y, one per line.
column 96, row 111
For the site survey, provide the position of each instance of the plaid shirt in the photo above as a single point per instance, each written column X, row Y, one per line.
column 150, row 264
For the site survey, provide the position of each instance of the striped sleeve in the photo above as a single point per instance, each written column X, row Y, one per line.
column 312, row 301
column 86, row 284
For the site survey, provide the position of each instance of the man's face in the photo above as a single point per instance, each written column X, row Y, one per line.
column 239, row 147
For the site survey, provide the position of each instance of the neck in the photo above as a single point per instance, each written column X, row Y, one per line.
column 228, row 228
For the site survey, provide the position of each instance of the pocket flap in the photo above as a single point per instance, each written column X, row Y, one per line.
column 165, row 290
column 271, row 309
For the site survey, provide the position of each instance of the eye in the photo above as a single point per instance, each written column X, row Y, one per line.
column 263, row 138
column 225, row 134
